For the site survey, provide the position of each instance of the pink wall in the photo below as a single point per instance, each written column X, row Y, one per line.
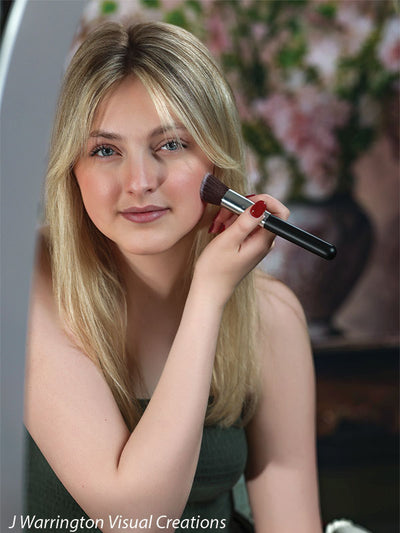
column 372, row 308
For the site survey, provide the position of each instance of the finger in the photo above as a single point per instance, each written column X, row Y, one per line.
column 222, row 218
column 246, row 235
column 274, row 206
column 247, row 222
column 258, row 244
column 227, row 222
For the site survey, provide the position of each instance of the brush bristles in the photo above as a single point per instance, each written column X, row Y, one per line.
column 212, row 190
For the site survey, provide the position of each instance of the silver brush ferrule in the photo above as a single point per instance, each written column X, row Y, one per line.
column 235, row 202
column 264, row 220
column 238, row 204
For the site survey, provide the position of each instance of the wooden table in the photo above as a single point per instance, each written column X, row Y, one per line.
column 358, row 430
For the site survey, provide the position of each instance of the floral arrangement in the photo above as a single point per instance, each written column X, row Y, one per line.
column 314, row 79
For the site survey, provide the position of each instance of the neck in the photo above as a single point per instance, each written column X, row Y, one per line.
column 160, row 277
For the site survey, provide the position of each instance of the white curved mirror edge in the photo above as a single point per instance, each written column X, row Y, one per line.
column 36, row 42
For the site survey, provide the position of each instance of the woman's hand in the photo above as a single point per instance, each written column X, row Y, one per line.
column 239, row 246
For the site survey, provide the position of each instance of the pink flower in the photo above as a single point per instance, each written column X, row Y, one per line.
column 246, row 50
column 258, row 31
column 252, row 168
column 323, row 53
column 170, row 4
column 279, row 177
column 219, row 39
column 305, row 125
column 389, row 47
column 272, row 46
column 207, row 4
column 357, row 27
column 242, row 105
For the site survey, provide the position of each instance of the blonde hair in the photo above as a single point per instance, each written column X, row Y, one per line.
column 182, row 79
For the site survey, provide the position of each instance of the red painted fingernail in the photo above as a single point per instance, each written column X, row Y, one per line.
column 250, row 195
column 258, row 209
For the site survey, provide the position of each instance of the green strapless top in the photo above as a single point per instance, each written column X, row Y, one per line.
column 210, row 506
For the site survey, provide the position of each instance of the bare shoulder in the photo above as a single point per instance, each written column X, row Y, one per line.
column 54, row 361
column 41, row 276
column 278, row 305
column 45, row 329
column 283, row 342
column 49, row 340
column 69, row 407
column 43, row 312
column 285, row 414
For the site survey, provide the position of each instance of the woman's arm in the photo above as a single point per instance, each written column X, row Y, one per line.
column 281, row 473
column 72, row 415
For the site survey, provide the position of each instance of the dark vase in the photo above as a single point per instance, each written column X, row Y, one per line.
column 322, row 286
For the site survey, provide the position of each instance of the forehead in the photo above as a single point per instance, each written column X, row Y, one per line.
column 128, row 96
column 129, row 105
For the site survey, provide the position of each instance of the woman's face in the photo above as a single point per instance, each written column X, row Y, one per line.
column 140, row 184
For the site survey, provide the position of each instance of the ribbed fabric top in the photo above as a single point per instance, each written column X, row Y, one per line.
column 222, row 460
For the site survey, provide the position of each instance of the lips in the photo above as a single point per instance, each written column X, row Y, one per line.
column 142, row 215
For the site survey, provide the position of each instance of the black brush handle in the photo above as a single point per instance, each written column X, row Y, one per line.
column 237, row 203
column 298, row 236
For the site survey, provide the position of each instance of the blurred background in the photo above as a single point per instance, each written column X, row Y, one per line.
column 317, row 85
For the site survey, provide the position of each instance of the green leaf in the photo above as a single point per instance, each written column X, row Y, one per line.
column 230, row 61
column 362, row 139
column 383, row 83
column 108, row 7
column 260, row 138
column 295, row 3
column 195, row 5
column 151, row 4
column 295, row 26
column 327, row 10
column 176, row 17
column 290, row 56
column 311, row 74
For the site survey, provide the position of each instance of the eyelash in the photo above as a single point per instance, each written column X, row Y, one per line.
column 179, row 145
column 97, row 149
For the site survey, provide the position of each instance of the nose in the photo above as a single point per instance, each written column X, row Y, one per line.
column 143, row 174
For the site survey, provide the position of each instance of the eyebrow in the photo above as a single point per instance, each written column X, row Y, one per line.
column 116, row 137
column 167, row 128
column 106, row 134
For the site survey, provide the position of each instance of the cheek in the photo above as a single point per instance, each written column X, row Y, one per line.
column 92, row 185
column 96, row 193
column 188, row 193
column 187, row 184
column 189, row 181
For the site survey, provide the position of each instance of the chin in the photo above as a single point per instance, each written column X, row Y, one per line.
column 148, row 247
column 158, row 241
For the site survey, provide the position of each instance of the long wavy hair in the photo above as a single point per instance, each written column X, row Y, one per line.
column 184, row 81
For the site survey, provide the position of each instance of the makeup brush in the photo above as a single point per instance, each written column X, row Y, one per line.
column 213, row 191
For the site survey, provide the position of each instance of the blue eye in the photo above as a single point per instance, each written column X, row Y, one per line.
column 173, row 145
column 103, row 151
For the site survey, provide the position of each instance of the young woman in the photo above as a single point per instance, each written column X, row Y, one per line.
column 160, row 367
